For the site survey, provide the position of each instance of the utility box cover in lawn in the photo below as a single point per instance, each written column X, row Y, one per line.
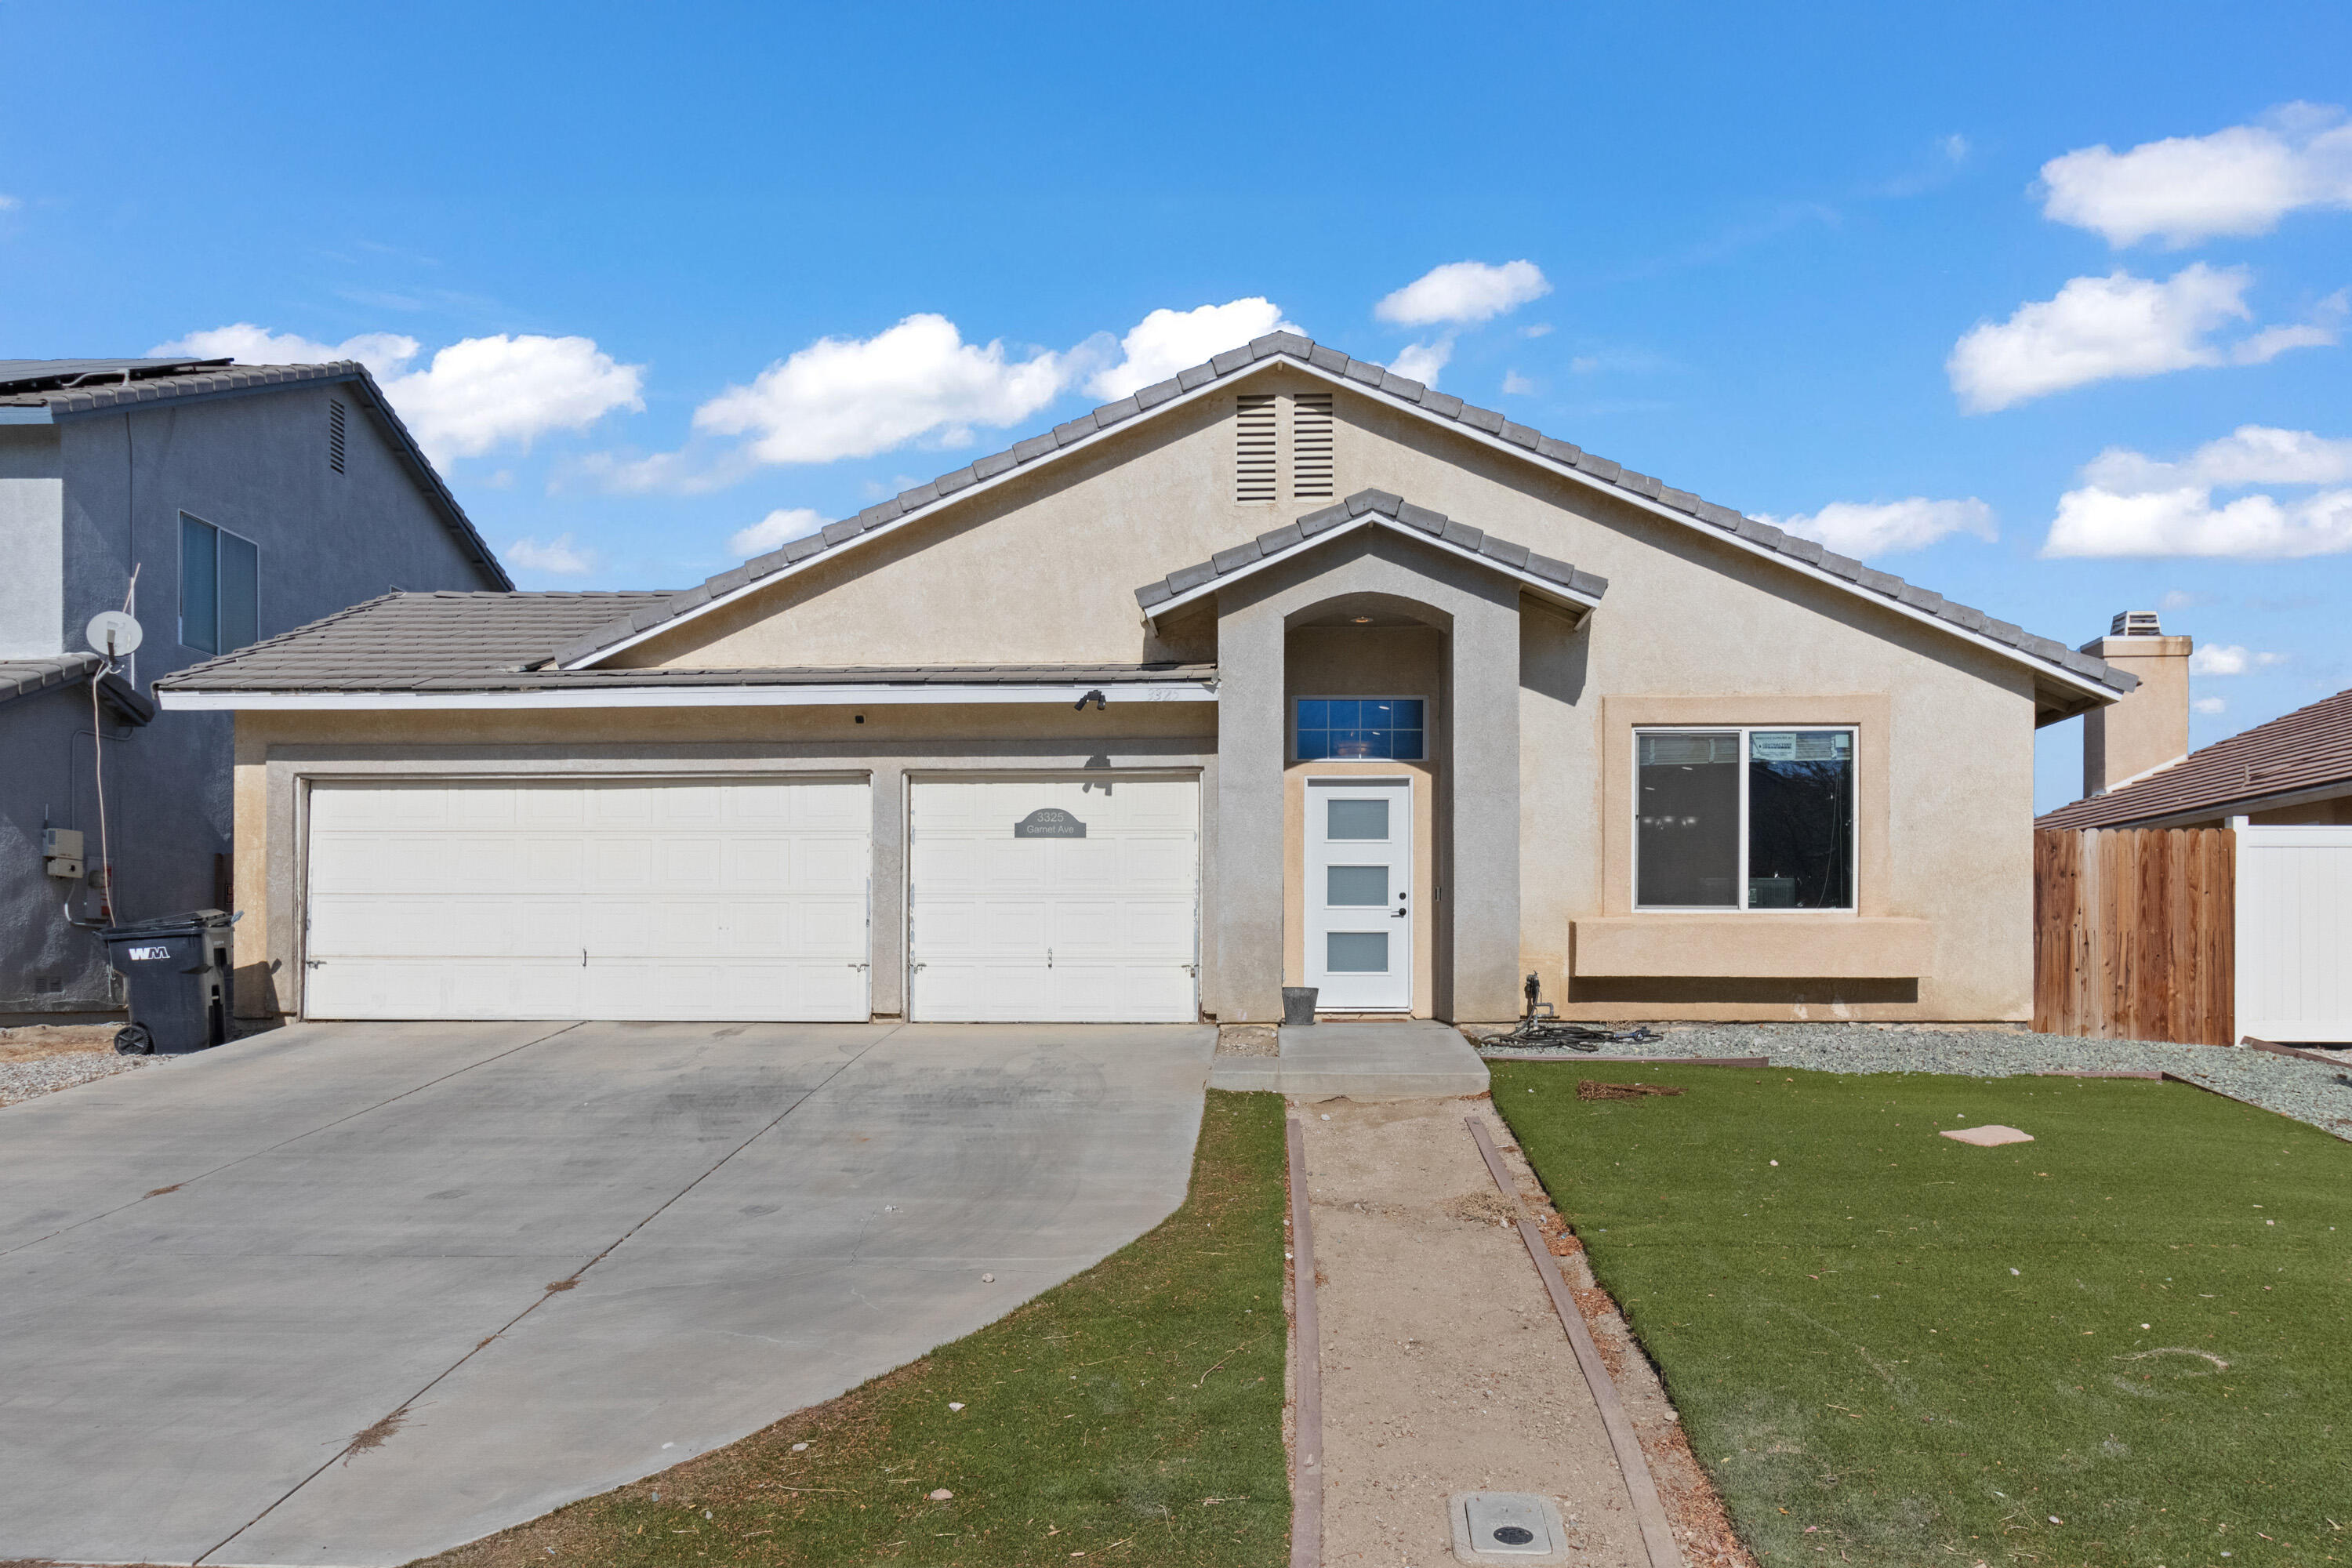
column 1989, row 1137
column 1507, row 1527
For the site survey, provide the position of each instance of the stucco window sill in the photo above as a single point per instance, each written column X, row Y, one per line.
column 1753, row 946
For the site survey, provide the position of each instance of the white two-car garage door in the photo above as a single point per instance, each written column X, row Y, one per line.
column 741, row 900
column 1037, row 901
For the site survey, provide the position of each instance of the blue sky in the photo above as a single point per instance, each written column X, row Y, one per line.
column 1809, row 258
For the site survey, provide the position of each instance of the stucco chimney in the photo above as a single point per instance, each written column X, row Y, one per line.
column 2148, row 727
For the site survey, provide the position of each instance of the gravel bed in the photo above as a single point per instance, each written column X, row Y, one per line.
column 29, row 1080
column 2308, row 1091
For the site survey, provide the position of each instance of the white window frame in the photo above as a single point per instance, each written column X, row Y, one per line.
column 1428, row 707
column 179, row 603
column 1739, row 876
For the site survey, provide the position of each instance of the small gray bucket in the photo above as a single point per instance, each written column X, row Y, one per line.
column 1299, row 1003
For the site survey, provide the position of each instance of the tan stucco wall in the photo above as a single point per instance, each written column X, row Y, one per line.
column 1043, row 569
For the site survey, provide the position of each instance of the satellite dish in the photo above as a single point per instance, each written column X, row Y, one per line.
column 113, row 634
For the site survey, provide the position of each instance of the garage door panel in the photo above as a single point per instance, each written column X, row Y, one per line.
column 519, row 900
column 1098, row 929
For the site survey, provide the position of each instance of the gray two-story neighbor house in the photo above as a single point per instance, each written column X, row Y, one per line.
column 246, row 500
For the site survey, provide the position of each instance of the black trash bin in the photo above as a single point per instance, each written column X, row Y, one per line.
column 177, row 967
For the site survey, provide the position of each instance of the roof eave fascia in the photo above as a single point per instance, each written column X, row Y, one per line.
column 1578, row 605
column 184, row 699
column 2067, row 678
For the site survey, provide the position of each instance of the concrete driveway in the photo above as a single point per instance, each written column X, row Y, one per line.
column 521, row 1263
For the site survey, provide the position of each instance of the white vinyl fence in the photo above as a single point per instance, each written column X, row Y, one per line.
column 2295, row 934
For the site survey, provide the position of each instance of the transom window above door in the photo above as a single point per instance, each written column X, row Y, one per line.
column 1740, row 818
column 1368, row 729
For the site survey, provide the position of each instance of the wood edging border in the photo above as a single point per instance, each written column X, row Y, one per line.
column 1641, row 1485
column 1306, row 1359
column 2275, row 1048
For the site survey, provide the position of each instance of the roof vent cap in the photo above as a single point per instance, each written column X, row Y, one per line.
column 2134, row 624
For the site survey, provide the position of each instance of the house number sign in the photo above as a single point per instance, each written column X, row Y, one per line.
column 1049, row 822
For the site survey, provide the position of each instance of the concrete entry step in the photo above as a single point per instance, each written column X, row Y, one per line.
column 1401, row 1058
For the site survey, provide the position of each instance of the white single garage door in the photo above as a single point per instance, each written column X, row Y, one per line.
column 649, row 900
column 1039, row 900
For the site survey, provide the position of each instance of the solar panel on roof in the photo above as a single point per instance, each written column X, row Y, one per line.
column 48, row 375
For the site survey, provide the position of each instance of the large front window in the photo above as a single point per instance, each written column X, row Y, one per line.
column 1744, row 819
column 1374, row 729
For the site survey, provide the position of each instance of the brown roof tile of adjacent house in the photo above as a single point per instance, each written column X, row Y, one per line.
column 2309, row 749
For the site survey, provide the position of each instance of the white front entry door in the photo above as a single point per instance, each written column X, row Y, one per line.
column 1055, row 900
column 659, row 900
column 1360, row 894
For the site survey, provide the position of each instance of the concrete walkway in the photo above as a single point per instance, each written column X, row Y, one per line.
column 528, row 1261
column 1403, row 1058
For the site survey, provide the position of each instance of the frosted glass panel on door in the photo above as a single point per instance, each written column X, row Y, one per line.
column 1358, row 819
column 1356, row 953
column 1355, row 885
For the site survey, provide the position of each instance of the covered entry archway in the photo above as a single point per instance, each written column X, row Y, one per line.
column 1376, row 556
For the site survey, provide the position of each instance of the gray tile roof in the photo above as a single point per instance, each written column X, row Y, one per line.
column 218, row 379
column 450, row 642
column 28, row 676
column 1244, row 557
column 24, row 676
column 1383, row 382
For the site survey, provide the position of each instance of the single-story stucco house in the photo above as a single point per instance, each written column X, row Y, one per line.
column 1287, row 670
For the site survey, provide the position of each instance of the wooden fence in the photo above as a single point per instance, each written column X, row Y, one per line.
column 2135, row 933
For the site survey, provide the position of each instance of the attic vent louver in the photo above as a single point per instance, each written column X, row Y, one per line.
column 335, row 418
column 1310, row 446
column 1253, row 460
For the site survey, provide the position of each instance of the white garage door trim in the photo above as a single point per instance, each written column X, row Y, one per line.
column 1038, row 925
column 639, row 896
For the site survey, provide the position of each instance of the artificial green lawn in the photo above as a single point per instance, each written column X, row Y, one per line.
column 1131, row 1415
column 1893, row 1348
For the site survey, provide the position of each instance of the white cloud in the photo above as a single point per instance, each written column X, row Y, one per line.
column 2227, row 658
column 482, row 392
column 784, row 522
column 1516, row 386
column 1462, row 293
column 1422, row 362
column 1884, row 527
column 1954, row 147
column 851, row 397
column 2094, row 521
column 475, row 395
column 2240, row 180
column 1535, row 330
column 9, row 204
column 2250, row 455
column 1166, row 342
column 2097, row 329
column 2182, row 599
column 559, row 556
column 2209, row 705
column 385, row 354
column 2130, row 504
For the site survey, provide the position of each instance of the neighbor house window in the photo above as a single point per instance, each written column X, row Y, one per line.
column 220, row 588
column 1744, row 819
column 1374, row 729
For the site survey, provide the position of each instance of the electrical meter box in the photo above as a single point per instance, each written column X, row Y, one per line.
column 61, row 853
